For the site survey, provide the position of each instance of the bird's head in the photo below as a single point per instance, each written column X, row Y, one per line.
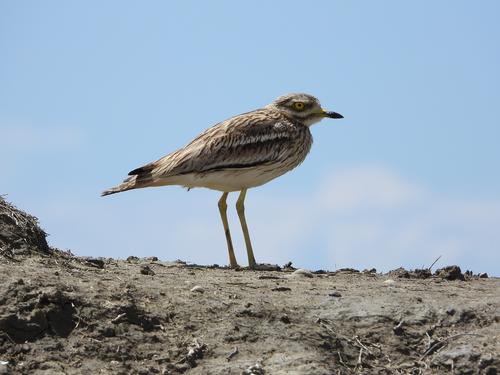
column 302, row 107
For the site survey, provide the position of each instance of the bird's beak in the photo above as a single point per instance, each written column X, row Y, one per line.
column 332, row 114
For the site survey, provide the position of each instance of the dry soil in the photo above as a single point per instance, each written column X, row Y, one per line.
column 61, row 314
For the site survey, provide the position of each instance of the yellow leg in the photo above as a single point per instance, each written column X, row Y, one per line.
column 223, row 215
column 240, row 208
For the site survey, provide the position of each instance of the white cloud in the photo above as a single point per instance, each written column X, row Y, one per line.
column 367, row 187
column 389, row 222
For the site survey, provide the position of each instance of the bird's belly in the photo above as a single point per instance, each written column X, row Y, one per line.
column 230, row 179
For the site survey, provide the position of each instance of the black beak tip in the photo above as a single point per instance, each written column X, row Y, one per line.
column 334, row 115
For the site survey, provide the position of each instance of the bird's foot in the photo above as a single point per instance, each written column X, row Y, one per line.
column 264, row 267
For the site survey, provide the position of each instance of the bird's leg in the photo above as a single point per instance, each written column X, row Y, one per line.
column 240, row 208
column 223, row 215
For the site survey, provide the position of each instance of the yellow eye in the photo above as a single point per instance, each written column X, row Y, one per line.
column 298, row 106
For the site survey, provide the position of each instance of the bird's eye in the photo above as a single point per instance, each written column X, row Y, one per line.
column 298, row 106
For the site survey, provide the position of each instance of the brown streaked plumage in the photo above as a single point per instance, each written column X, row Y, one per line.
column 242, row 152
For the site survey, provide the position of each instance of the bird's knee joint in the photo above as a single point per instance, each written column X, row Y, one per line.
column 240, row 208
column 222, row 205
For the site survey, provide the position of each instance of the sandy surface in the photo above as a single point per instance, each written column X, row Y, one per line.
column 61, row 314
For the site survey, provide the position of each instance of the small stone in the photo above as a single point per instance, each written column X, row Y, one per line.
column 400, row 273
column 269, row 277
column 197, row 289
column 483, row 275
column 281, row 289
column 349, row 270
column 96, row 262
column 285, row 319
column 371, row 270
column 254, row 370
column 146, row 270
column 450, row 273
column 132, row 259
column 320, row 272
column 389, row 281
column 421, row 273
column 267, row 267
column 334, row 294
column 152, row 259
column 108, row 332
column 398, row 329
column 485, row 362
column 301, row 273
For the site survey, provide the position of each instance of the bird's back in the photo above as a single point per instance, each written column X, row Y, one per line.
column 244, row 151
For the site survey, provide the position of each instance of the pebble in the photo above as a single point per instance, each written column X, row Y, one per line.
column 334, row 294
column 389, row 281
column 254, row 370
column 146, row 270
column 285, row 319
column 350, row 270
column 302, row 273
column 450, row 273
column 281, row 289
column 197, row 289
column 269, row 277
column 97, row 262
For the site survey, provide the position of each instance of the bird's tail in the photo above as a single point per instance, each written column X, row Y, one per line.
column 129, row 184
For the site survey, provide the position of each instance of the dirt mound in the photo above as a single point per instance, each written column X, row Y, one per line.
column 30, row 313
column 61, row 314
column 19, row 232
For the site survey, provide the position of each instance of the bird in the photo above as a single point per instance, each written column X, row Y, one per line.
column 242, row 152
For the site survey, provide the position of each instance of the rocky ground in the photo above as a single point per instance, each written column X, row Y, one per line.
column 61, row 314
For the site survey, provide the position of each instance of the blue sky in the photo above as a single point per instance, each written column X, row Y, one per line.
column 90, row 90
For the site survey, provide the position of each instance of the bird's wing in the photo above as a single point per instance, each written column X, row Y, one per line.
column 244, row 141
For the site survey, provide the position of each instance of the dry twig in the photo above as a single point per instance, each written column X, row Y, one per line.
column 433, row 263
column 233, row 353
column 118, row 318
column 441, row 343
